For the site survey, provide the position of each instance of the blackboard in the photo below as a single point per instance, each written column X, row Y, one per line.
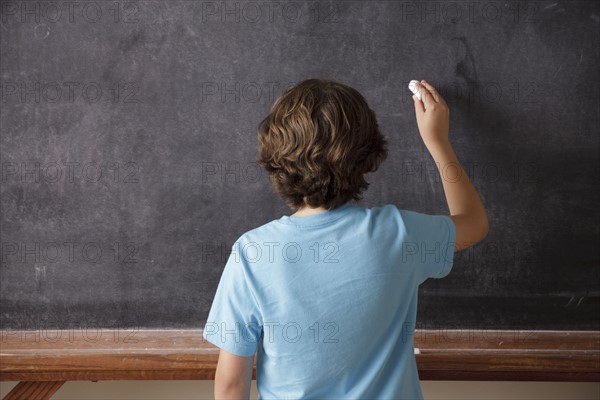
column 128, row 149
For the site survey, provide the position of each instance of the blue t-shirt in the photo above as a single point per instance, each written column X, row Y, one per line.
column 329, row 301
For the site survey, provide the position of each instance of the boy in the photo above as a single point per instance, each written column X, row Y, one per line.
column 328, row 296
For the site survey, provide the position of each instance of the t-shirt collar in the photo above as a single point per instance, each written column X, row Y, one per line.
column 318, row 219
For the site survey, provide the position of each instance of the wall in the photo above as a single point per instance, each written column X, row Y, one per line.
column 175, row 390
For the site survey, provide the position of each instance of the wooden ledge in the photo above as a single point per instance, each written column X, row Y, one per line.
column 445, row 354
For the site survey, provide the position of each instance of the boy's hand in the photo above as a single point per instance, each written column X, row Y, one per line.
column 466, row 210
column 433, row 119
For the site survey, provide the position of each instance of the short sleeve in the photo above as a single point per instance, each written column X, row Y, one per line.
column 429, row 244
column 234, row 322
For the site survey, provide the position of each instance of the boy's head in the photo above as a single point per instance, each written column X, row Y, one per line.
column 318, row 142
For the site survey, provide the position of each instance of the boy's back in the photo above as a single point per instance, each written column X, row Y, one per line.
column 329, row 301
column 327, row 298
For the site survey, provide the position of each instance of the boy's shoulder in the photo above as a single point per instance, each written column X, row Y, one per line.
column 261, row 233
column 273, row 228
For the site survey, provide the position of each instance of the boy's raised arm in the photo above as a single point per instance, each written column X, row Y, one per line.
column 466, row 209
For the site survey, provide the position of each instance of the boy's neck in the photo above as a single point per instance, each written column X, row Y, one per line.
column 308, row 211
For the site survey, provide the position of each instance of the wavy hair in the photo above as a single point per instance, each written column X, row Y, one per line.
column 318, row 142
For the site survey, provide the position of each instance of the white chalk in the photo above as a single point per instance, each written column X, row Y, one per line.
column 417, row 351
column 413, row 88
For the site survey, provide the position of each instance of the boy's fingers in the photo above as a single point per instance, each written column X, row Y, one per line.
column 418, row 105
column 432, row 90
column 427, row 97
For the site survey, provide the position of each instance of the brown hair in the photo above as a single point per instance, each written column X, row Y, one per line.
column 317, row 142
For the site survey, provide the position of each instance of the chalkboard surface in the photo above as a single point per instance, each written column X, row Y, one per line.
column 128, row 149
